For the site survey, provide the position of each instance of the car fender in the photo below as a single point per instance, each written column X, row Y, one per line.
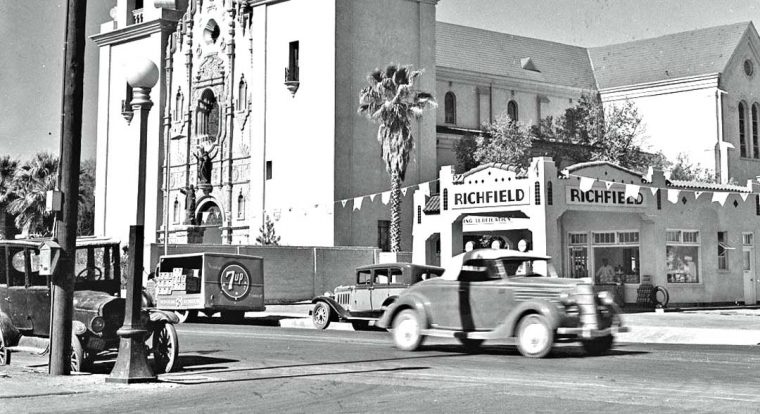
column 162, row 315
column 389, row 301
column 8, row 331
column 539, row 306
column 401, row 303
column 339, row 310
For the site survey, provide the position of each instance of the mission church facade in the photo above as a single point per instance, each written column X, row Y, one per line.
column 256, row 109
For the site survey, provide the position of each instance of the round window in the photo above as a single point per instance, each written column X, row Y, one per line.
column 211, row 32
column 748, row 67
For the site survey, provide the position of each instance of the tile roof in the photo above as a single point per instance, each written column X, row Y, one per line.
column 692, row 53
column 433, row 205
column 696, row 185
column 494, row 53
column 520, row 173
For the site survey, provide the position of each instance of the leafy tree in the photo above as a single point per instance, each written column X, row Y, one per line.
column 267, row 235
column 505, row 141
column 86, row 210
column 8, row 168
column 685, row 170
column 392, row 101
column 464, row 149
column 31, row 183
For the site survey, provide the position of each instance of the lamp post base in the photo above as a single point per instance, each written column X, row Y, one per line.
column 132, row 363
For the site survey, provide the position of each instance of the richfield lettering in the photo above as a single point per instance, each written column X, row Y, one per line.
column 475, row 198
column 604, row 197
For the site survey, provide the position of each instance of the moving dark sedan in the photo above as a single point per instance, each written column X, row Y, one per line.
column 501, row 294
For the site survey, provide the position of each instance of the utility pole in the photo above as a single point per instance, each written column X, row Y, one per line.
column 66, row 232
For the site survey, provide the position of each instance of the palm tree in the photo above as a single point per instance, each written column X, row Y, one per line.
column 7, row 170
column 31, row 183
column 391, row 101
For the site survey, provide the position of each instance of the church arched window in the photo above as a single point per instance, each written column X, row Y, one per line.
column 207, row 117
column 175, row 212
column 241, row 207
column 512, row 110
column 755, row 142
column 742, row 130
column 242, row 102
column 450, row 108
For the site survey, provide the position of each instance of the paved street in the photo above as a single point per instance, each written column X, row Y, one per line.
column 249, row 368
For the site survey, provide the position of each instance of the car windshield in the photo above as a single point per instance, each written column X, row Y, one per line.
column 511, row 267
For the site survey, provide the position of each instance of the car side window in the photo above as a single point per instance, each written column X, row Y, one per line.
column 396, row 276
column 381, row 276
column 364, row 277
column 17, row 268
column 34, row 277
column 474, row 271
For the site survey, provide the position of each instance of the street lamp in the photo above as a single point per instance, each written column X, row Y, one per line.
column 132, row 362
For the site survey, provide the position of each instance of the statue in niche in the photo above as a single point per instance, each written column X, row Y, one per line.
column 189, row 193
column 204, row 157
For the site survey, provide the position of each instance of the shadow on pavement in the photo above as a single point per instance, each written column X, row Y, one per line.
column 202, row 380
column 562, row 351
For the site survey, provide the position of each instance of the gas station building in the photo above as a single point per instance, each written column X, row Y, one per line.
column 604, row 222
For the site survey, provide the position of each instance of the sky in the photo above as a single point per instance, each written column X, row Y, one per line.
column 30, row 77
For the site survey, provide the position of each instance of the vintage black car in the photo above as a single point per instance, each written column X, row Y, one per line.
column 502, row 294
column 377, row 286
column 98, row 305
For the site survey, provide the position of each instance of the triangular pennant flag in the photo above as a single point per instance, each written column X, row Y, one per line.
column 372, row 198
column 358, row 203
column 608, row 184
column 720, row 197
column 403, row 191
column 425, row 188
column 385, row 197
column 697, row 194
column 653, row 190
column 632, row 190
column 343, row 202
column 673, row 195
column 744, row 196
column 586, row 183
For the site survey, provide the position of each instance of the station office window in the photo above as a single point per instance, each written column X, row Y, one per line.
column 723, row 249
column 578, row 244
column 616, row 257
column 682, row 256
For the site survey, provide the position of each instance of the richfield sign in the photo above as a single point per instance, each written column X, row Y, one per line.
column 602, row 197
column 492, row 197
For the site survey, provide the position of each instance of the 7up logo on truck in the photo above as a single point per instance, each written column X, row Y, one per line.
column 235, row 281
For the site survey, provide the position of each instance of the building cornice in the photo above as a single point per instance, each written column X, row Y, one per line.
column 134, row 31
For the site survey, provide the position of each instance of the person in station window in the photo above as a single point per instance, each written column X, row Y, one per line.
column 606, row 273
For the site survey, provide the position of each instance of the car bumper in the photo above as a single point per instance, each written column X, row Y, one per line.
column 588, row 333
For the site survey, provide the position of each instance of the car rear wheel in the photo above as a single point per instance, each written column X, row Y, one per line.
column 534, row 336
column 79, row 358
column 471, row 345
column 5, row 354
column 165, row 348
column 185, row 315
column 406, row 330
column 598, row 346
column 320, row 317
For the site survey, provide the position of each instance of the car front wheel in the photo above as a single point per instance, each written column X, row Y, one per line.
column 534, row 336
column 320, row 317
column 79, row 358
column 406, row 330
column 165, row 348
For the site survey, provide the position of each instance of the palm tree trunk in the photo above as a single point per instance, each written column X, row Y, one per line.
column 395, row 212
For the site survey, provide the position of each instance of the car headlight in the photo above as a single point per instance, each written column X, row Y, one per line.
column 606, row 298
column 328, row 294
column 97, row 324
column 78, row 328
column 567, row 299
